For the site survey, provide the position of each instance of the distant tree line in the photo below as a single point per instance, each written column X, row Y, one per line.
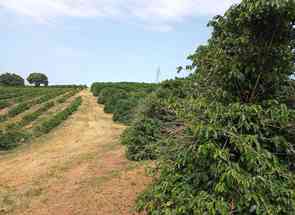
column 38, row 79
column 11, row 79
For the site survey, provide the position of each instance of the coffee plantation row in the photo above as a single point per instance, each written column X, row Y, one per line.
column 122, row 98
column 30, row 112
column 224, row 137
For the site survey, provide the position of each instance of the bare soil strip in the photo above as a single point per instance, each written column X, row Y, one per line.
column 79, row 168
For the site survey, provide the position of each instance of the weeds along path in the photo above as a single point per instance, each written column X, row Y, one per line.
column 79, row 168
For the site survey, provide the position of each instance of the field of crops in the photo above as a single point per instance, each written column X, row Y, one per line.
column 223, row 137
column 218, row 141
column 122, row 98
column 28, row 112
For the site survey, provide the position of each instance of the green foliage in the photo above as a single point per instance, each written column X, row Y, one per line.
column 10, row 139
column 72, row 86
column 124, row 111
column 30, row 117
column 48, row 96
column 20, row 108
column 250, row 55
column 3, row 117
column 235, row 153
column 122, row 98
column 105, row 94
column 179, row 88
column 37, row 79
column 67, row 96
column 141, row 138
column 224, row 136
column 4, row 104
column 58, row 118
column 153, row 121
column 120, row 103
column 10, row 79
column 126, row 86
column 33, row 116
column 234, row 158
column 16, row 133
column 112, row 98
column 21, row 94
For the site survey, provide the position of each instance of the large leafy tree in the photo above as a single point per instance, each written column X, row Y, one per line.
column 250, row 56
column 237, row 153
column 37, row 79
column 11, row 79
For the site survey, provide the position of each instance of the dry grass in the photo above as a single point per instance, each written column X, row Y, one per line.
column 79, row 168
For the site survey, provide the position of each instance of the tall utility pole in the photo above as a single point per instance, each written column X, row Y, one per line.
column 158, row 75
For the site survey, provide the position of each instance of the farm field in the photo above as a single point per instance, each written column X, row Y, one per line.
column 31, row 112
column 79, row 168
column 217, row 139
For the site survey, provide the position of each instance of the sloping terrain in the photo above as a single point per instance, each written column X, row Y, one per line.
column 79, row 168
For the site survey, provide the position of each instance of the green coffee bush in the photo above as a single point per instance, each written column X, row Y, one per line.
column 97, row 87
column 20, row 108
column 11, row 138
column 152, row 122
column 105, row 94
column 112, row 102
column 141, row 138
column 64, row 98
column 33, row 116
column 237, row 152
column 4, row 104
column 125, row 110
column 58, row 118
column 237, row 157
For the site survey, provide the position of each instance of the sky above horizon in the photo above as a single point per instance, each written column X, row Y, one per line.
column 82, row 41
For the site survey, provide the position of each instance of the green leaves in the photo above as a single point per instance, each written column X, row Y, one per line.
column 237, row 153
column 11, row 138
column 140, row 140
column 236, row 160
column 250, row 55
column 9, row 79
column 58, row 118
column 234, row 151
column 37, row 79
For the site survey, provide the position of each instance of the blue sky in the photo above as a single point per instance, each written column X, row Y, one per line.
column 82, row 41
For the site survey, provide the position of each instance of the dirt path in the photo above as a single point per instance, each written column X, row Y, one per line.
column 79, row 168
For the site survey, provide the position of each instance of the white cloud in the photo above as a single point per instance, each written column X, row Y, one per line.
column 156, row 14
